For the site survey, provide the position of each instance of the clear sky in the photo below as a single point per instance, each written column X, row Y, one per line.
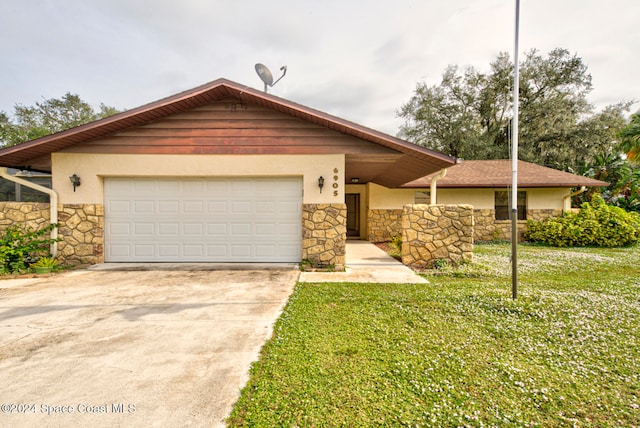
column 357, row 59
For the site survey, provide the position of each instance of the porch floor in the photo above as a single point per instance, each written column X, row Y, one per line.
column 367, row 263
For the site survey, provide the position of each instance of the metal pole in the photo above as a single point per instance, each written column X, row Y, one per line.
column 514, row 162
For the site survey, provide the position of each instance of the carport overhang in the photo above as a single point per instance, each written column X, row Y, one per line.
column 388, row 161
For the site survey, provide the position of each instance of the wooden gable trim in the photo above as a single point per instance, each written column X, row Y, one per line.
column 230, row 126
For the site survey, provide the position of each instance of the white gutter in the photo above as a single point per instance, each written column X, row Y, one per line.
column 434, row 180
column 53, row 203
column 567, row 199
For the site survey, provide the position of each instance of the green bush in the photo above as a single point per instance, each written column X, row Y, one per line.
column 596, row 224
column 20, row 246
column 396, row 244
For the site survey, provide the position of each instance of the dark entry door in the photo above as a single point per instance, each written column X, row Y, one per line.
column 353, row 214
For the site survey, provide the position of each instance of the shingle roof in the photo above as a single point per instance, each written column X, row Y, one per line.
column 497, row 174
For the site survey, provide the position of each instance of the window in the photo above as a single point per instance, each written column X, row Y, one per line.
column 503, row 205
column 422, row 198
column 10, row 191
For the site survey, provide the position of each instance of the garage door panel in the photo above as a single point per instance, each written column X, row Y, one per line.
column 289, row 250
column 264, row 250
column 144, row 229
column 288, row 229
column 168, row 206
column 159, row 186
column 119, row 207
column 118, row 229
column 203, row 219
column 217, row 229
column 144, row 207
column 123, row 251
column 218, row 252
column 241, row 251
column 193, row 229
column 168, row 229
column 168, row 250
column 143, row 187
column 142, row 250
column 266, row 230
column 288, row 207
column 240, row 186
column 217, row 207
column 190, row 207
column 194, row 250
column 265, row 208
column 240, row 208
column 240, row 230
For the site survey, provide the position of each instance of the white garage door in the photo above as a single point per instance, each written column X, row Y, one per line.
column 203, row 219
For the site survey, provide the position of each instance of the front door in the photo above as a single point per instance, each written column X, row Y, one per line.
column 353, row 214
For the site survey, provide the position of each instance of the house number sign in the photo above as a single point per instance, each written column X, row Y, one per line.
column 335, row 182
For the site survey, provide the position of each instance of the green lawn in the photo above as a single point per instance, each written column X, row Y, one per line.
column 459, row 351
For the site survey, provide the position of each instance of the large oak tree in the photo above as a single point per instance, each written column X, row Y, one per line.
column 48, row 117
column 468, row 115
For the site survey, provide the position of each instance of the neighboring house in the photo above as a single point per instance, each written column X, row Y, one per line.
column 221, row 173
column 486, row 184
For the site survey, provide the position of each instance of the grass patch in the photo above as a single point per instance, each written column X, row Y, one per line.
column 459, row 351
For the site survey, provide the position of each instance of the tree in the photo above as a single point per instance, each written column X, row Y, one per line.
column 469, row 114
column 630, row 135
column 48, row 117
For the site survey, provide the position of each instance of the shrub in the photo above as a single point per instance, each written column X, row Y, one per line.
column 45, row 262
column 21, row 246
column 596, row 224
column 396, row 244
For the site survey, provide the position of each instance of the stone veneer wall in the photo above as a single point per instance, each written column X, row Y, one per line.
column 81, row 226
column 383, row 225
column 487, row 228
column 34, row 215
column 436, row 232
column 324, row 234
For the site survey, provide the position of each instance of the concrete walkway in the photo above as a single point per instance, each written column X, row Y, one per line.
column 367, row 263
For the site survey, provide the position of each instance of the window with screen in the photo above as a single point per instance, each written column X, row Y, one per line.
column 422, row 198
column 503, row 205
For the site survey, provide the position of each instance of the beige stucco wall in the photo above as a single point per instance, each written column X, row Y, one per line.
column 383, row 198
column 546, row 199
column 484, row 199
column 478, row 198
column 92, row 168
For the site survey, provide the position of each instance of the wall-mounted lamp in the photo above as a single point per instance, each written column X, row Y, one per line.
column 75, row 180
column 321, row 183
column 355, row 180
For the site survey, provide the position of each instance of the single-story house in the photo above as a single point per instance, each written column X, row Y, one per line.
column 486, row 184
column 218, row 173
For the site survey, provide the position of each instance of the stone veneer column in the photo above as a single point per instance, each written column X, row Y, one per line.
column 436, row 232
column 81, row 227
column 324, row 234
column 383, row 225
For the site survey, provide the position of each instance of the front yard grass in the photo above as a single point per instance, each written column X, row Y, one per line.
column 459, row 351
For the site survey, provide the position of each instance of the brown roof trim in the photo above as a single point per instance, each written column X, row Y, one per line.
column 498, row 174
column 16, row 156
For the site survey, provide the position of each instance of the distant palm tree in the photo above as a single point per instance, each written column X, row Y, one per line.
column 630, row 135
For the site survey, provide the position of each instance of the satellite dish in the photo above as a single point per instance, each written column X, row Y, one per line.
column 266, row 76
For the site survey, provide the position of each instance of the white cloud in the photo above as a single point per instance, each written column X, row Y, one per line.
column 359, row 60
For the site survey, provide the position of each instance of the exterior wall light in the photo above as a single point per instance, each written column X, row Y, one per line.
column 321, row 183
column 75, row 180
column 355, row 180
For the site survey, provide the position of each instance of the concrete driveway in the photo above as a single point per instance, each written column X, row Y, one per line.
column 133, row 348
